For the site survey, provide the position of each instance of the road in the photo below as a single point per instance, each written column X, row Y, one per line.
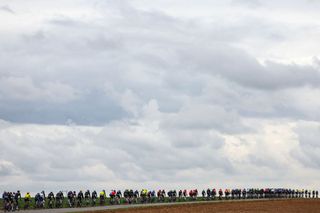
column 123, row 206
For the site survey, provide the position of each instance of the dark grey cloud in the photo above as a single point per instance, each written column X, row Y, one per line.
column 237, row 66
column 102, row 112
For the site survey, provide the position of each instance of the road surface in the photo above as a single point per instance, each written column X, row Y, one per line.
column 124, row 206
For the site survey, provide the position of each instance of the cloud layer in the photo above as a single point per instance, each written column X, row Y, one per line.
column 119, row 93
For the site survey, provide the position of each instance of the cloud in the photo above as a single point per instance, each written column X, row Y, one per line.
column 306, row 152
column 195, row 117
column 7, row 9
column 250, row 3
column 141, row 153
column 24, row 89
column 136, row 93
column 237, row 66
column 118, row 151
column 7, row 168
column 112, row 61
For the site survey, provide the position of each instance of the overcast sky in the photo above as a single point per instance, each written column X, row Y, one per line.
column 159, row 94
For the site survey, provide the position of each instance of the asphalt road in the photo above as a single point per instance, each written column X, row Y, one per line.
column 85, row 209
column 123, row 206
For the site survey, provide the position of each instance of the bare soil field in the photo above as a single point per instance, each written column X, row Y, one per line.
column 282, row 206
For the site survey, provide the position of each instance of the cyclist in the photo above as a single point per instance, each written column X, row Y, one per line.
column 51, row 200
column 102, row 197
column 94, row 198
column 27, row 199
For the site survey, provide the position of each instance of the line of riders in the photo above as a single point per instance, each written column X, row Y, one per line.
column 11, row 200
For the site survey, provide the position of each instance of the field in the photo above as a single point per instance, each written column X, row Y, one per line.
column 282, row 206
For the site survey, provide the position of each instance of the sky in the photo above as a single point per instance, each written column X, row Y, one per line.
column 167, row 94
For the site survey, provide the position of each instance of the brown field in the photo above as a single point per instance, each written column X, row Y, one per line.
column 308, row 206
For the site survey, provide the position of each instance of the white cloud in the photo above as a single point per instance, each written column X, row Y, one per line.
column 138, row 153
